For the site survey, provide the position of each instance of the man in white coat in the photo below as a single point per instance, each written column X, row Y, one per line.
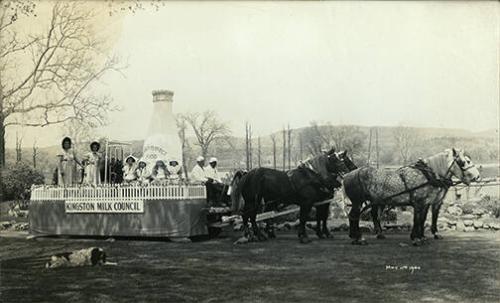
column 215, row 187
column 198, row 174
column 211, row 170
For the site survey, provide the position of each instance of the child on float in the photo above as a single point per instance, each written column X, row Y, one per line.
column 129, row 170
column 174, row 171
column 159, row 173
column 92, row 168
column 67, row 164
column 142, row 173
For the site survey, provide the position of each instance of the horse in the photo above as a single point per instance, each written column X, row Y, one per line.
column 302, row 186
column 419, row 186
column 323, row 210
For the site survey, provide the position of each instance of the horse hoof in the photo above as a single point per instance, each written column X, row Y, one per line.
column 241, row 240
column 305, row 240
column 359, row 242
column 271, row 236
column 380, row 236
column 438, row 237
column 328, row 235
column 417, row 242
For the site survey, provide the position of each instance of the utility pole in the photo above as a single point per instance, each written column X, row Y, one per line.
column 273, row 139
column 35, row 154
column 250, row 144
column 284, row 148
column 369, row 148
column 258, row 151
column 289, row 147
column 247, row 150
column 301, row 147
column 376, row 145
column 19, row 151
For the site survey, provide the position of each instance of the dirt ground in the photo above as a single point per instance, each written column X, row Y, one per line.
column 463, row 267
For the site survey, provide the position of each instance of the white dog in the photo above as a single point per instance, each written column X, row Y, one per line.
column 83, row 257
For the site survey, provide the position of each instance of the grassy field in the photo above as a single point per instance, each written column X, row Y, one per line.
column 463, row 267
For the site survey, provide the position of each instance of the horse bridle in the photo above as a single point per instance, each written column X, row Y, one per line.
column 460, row 163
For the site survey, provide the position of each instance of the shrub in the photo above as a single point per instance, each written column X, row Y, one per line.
column 17, row 180
column 468, row 208
column 491, row 205
column 388, row 215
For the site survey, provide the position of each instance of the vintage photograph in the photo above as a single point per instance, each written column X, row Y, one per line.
column 249, row 151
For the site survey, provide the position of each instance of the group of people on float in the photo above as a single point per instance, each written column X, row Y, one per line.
column 134, row 170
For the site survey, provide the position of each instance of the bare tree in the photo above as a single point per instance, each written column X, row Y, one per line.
column 182, row 126
column 207, row 128
column 248, row 145
column 79, row 132
column 47, row 77
column 259, row 152
column 273, row 140
column 314, row 138
column 284, row 148
column 406, row 142
column 19, row 148
column 35, row 154
column 344, row 137
column 289, row 148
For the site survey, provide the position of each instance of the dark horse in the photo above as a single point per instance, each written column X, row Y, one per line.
column 323, row 210
column 302, row 186
column 408, row 186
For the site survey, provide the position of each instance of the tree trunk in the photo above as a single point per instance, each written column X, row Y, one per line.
column 2, row 142
column 204, row 151
column 284, row 149
column 274, row 154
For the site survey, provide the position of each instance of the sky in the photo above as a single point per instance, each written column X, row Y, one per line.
column 429, row 64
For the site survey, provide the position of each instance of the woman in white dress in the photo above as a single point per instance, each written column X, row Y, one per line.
column 159, row 173
column 174, row 171
column 129, row 169
column 142, row 172
column 92, row 170
column 67, row 164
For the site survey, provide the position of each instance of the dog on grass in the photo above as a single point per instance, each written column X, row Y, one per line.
column 84, row 257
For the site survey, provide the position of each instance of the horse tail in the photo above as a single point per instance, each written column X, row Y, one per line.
column 237, row 201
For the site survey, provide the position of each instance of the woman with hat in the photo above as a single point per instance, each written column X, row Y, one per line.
column 174, row 171
column 159, row 173
column 67, row 164
column 142, row 173
column 129, row 174
column 92, row 169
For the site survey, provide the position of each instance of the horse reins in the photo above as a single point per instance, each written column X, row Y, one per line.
column 447, row 182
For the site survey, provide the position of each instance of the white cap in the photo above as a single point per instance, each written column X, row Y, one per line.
column 213, row 159
column 131, row 157
column 200, row 158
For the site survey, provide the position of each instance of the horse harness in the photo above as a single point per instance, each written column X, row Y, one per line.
column 444, row 183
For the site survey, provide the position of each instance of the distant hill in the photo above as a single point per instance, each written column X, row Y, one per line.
column 483, row 144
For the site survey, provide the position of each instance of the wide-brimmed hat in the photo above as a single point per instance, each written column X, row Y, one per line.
column 131, row 157
column 94, row 144
column 200, row 158
column 212, row 160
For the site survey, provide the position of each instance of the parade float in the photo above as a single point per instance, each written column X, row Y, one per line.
column 111, row 209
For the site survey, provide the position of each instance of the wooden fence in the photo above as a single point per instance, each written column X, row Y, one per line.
column 118, row 192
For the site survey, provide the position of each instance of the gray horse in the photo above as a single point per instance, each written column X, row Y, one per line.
column 419, row 186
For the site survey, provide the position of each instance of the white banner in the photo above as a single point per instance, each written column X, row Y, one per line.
column 76, row 206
